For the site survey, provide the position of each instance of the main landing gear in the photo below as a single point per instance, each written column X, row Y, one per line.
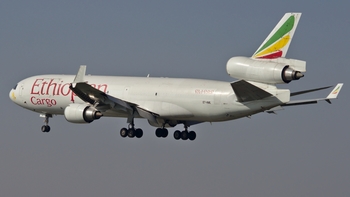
column 46, row 128
column 185, row 135
column 131, row 132
column 160, row 133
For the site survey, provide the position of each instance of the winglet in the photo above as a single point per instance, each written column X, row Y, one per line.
column 277, row 42
column 80, row 75
column 335, row 91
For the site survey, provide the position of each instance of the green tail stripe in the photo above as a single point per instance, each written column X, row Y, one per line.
column 285, row 28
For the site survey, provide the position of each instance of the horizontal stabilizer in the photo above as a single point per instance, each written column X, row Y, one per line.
column 246, row 91
column 307, row 91
column 334, row 93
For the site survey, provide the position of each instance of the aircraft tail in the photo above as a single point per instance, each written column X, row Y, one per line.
column 277, row 42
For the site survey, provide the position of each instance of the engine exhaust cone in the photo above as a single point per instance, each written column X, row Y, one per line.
column 298, row 75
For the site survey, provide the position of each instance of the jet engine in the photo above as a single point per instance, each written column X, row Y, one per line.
column 274, row 71
column 81, row 113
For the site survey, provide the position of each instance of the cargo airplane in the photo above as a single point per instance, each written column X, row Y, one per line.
column 167, row 102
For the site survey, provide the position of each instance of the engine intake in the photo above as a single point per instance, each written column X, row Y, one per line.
column 265, row 71
column 81, row 113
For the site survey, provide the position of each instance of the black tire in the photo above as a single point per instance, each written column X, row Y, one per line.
column 123, row 132
column 192, row 135
column 45, row 128
column 138, row 133
column 131, row 133
column 184, row 135
column 159, row 132
column 165, row 133
column 177, row 135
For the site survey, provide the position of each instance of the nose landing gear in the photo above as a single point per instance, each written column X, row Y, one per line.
column 46, row 128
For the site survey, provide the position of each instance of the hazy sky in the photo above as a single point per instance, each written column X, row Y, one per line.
column 301, row 151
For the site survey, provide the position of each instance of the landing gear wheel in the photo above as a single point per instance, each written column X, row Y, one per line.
column 165, row 133
column 123, row 132
column 131, row 133
column 177, row 135
column 138, row 133
column 162, row 132
column 192, row 135
column 184, row 135
column 159, row 132
column 45, row 128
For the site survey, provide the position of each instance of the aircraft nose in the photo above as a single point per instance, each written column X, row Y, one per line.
column 12, row 95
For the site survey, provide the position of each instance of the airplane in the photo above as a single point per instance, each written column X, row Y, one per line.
column 167, row 102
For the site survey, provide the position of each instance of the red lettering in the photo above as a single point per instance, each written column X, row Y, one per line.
column 65, row 89
column 100, row 86
column 59, row 88
column 55, row 87
column 72, row 97
column 51, row 85
column 42, row 88
column 35, row 84
column 44, row 101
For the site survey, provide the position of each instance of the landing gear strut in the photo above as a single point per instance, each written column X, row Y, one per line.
column 46, row 128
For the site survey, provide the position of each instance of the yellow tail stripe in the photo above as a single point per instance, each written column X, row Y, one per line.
column 275, row 47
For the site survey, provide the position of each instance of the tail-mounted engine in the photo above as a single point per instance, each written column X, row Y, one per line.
column 81, row 113
column 272, row 71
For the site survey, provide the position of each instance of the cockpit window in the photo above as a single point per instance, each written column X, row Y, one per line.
column 15, row 87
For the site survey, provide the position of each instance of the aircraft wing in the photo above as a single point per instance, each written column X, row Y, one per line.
column 104, row 101
column 333, row 95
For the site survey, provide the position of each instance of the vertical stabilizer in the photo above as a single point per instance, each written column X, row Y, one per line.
column 277, row 42
column 80, row 75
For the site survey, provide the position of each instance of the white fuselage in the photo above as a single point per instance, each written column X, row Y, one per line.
column 170, row 98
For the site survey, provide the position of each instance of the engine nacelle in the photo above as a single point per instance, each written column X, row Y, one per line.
column 265, row 71
column 81, row 113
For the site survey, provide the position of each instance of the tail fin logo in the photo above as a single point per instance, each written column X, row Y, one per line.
column 336, row 90
column 277, row 43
